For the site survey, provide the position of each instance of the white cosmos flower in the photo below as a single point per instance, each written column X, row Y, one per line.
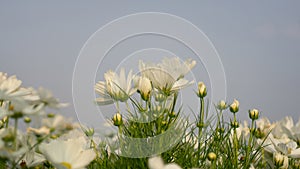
column 40, row 131
column 280, row 160
column 292, row 131
column 264, row 125
column 158, row 163
column 68, row 154
column 32, row 159
column 115, row 88
column 284, row 146
column 3, row 76
column 10, row 87
column 168, row 75
column 46, row 97
column 7, row 150
column 10, row 84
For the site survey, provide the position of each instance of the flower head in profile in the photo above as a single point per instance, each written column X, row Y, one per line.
column 115, row 87
column 68, row 154
column 201, row 90
column 46, row 97
column 222, row 105
column 167, row 76
column 234, row 107
column 10, row 87
column 144, row 87
column 280, row 160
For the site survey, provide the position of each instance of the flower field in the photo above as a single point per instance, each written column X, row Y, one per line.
column 151, row 129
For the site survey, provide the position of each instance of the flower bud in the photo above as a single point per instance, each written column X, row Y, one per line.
column 89, row 131
column 258, row 133
column 5, row 119
column 144, row 87
column 295, row 163
column 221, row 130
column 160, row 97
column 278, row 159
column 253, row 114
column 54, row 136
column 11, row 108
column 201, row 90
column 234, row 107
column 212, row 156
column 27, row 119
column 200, row 125
column 235, row 124
column 172, row 114
column 117, row 119
column 50, row 115
column 164, row 123
column 222, row 105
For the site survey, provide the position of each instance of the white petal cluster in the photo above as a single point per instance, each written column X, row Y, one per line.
column 168, row 75
column 115, row 87
column 70, row 154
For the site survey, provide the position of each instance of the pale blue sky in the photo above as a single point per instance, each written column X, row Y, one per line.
column 258, row 43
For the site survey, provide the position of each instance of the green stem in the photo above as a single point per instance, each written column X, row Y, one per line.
column 249, row 144
column 120, row 139
column 174, row 101
column 118, row 107
column 6, row 121
column 15, row 134
column 213, row 165
column 235, row 143
column 200, row 125
column 219, row 119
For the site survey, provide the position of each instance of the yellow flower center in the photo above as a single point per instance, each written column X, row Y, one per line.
column 66, row 164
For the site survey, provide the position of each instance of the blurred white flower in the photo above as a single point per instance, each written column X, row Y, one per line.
column 221, row 105
column 264, row 126
column 76, row 133
column 280, row 161
column 115, row 88
column 7, row 146
column 57, row 123
column 283, row 146
column 168, row 75
column 158, row 163
column 31, row 159
column 46, row 97
column 18, row 107
column 70, row 154
column 292, row 131
column 242, row 131
column 10, row 88
column 40, row 131
column 3, row 76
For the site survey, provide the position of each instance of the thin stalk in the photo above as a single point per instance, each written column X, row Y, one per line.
column 7, row 121
column 213, row 164
column 219, row 119
column 264, row 162
column 127, row 107
column 249, row 144
column 174, row 101
column 200, row 125
column 15, row 134
column 118, row 107
column 235, row 144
